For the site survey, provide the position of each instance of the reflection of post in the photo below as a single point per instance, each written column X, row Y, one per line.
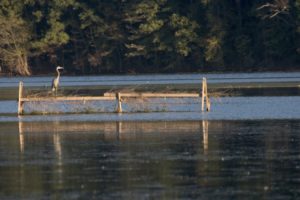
column 57, row 144
column 119, row 130
column 110, row 130
column 21, row 136
column 205, row 135
column 21, row 143
column 57, row 147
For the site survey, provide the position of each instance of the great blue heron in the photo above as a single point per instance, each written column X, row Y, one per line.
column 55, row 81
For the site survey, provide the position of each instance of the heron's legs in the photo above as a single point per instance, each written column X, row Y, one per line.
column 55, row 92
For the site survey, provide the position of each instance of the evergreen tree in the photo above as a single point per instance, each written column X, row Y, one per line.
column 90, row 36
column 158, row 35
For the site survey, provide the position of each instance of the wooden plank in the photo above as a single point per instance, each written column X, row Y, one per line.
column 86, row 98
column 110, row 94
column 153, row 95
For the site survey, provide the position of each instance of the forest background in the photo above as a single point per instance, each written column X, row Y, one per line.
column 148, row 36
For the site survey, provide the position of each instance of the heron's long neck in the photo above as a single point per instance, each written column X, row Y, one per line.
column 58, row 73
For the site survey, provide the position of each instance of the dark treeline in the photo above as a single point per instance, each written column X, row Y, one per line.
column 139, row 36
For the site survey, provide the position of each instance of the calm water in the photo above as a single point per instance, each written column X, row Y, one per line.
column 150, row 160
column 227, row 108
column 154, row 79
column 247, row 147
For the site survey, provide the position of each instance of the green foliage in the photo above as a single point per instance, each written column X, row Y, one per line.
column 48, row 20
column 185, row 33
column 278, row 26
column 155, row 31
column 213, row 49
column 297, row 8
column 214, row 41
column 144, row 26
column 89, row 36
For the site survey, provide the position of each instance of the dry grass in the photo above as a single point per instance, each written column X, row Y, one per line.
column 49, row 93
column 214, row 93
column 138, row 104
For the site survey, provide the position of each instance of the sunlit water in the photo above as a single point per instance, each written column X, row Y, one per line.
column 150, row 160
column 226, row 108
column 153, row 79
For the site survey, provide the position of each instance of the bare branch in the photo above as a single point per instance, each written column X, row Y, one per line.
column 14, row 38
column 274, row 9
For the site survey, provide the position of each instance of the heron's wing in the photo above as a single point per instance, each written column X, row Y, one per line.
column 52, row 83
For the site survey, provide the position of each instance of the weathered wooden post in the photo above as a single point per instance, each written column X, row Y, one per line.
column 20, row 103
column 119, row 109
column 205, row 96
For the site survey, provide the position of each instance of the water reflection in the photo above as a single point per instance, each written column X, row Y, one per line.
column 21, row 135
column 111, row 130
column 197, row 159
column 205, row 135
column 58, row 150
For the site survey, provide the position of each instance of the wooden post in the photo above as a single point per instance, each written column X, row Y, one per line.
column 207, row 104
column 205, row 97
column 119, row 109
column 20, row 103
column 203, row 94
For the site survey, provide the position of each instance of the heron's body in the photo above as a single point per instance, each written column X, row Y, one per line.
column 55, row 81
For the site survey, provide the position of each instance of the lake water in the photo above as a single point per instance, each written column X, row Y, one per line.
column 247, row 147
column 150, row 160
column 117, row 80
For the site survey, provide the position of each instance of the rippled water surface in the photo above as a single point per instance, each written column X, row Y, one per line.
column 226, row 108
column 153, row 79
column 145, row 160
column 246, row 147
